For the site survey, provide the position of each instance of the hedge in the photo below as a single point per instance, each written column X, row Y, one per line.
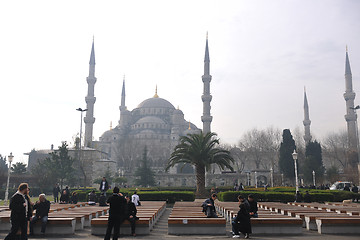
column 168, row 196
column 328, row 196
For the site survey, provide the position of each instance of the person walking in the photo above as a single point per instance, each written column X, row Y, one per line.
column 42, row 207
column 241, row 223
column 104, row 186
column 56, row 191
column 117, row 213
column 136, row 199
column 20, row 211
column 131, row 215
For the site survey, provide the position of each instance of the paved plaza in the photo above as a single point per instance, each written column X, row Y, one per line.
column 160, row 232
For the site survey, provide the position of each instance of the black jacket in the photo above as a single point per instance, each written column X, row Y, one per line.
column 42, row 208
column 18, row 210
column 106, row 185
column 56, row 190
column 131, row 209
column 117, row 206
column 243, row 218
column 253, row 206
column 205, row 205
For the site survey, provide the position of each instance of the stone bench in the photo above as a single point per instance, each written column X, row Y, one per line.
column 79, row 219
column 338, row 225
column 57, row 226
column 99, row 226
column 196, row 226
column 310, row 218
column 273, row 225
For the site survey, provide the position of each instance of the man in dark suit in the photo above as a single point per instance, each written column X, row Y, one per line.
column 131, row 214
column 117, row 213
column 209, row 206
column 104, row 186
column 20, row 210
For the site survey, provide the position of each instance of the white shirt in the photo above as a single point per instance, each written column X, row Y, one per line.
column 135, row 199
column 103, row 186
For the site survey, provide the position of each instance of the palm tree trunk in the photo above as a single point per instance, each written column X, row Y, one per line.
column 200, row 181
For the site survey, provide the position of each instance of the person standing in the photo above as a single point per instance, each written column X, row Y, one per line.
column 298, row 197
column 117, row 213
column 104, row 186
column 20, row 211
column 253, row 206
column 135, row 199
column 56, row 191
column 131, row 215
column 42, row 207
column 241, row 223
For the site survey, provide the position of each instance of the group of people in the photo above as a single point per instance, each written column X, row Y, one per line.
column 121, row 208
column 22, row 213
column 241, row 223
column 65, row 196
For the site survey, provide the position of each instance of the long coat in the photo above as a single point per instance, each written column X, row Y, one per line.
column 243, row 218
column 18, row 210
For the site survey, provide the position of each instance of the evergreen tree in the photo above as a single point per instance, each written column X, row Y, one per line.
column 59, row 167
column 286, row 161
column 313, row 162
column 3, row 165
column 144, row 173
column 18, row 168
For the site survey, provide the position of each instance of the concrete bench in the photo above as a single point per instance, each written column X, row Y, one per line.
column 272, row 225
column 99, row 226
column 338, row 225
column 5, row 224
column 79, row 219
column 310, row 219
column 196, row 226
column 57, row 226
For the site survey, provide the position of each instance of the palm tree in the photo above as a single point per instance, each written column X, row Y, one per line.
column 200, row 151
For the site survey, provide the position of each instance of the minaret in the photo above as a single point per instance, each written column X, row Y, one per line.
column 306, row 122
column 90, row 100
column 206, row 118
column 350, row 116
column 122, row 106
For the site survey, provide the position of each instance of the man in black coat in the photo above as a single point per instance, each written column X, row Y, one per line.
column 131, row 214
column 42, row 208
column 241, row 223
column 117, row 213
column 253, row 206
column 20, row 210
column 104, row 186
column 209, row 206
column 56, row 191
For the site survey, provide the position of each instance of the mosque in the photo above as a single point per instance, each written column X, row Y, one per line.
column 155, row 124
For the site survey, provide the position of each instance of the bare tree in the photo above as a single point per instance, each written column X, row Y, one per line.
column 261, row 147
column 335, row 149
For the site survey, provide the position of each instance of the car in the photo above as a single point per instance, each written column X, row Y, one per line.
column 340, row 185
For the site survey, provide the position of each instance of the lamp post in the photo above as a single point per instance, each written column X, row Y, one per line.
column 272, row 177
column 10, row 158
column 313, row 172
column 256, row 179
column 81, row 120
column 294, row 155
column 282, row 179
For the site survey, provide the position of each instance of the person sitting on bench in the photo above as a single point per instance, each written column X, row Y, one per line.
column 131, row 214
column 209, row 206
column 253, row 206
column 42, row 207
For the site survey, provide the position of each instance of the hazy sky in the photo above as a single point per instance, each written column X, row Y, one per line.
column 262, row 55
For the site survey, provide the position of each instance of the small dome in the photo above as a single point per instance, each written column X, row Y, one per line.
column 150, row 119
column 107, row 135
column 156, row 103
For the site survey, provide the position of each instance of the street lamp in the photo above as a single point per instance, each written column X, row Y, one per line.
column 313, row 172
column 256, row 180
column 10, row 158
column 282, row 179
column 272, row 176
column 295, row 155
column 81, row 120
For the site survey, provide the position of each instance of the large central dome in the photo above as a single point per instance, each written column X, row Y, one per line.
column 156, row 102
